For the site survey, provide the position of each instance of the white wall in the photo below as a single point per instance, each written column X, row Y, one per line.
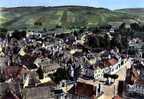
column 98, row 74
column 136, row 88
column 115, row 68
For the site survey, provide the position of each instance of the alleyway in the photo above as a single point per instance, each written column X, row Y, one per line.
column 109, row 90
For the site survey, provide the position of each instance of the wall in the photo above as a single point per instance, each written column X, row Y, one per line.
column 98, row 74
column 136, row 88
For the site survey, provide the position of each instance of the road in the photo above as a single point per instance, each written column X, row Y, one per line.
column 2, row 61
column 109, row 89
column 2, row 64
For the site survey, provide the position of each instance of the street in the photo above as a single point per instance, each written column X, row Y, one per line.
column 109, row 89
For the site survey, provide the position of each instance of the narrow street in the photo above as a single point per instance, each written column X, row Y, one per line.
column 2, row 62
column 109, row 89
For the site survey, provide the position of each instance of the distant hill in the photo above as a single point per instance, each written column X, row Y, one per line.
column 138, row 12
column 61, row 16
column 132, row 10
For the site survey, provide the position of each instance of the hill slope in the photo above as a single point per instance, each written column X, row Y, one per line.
column 64, row 16
column 139, row 11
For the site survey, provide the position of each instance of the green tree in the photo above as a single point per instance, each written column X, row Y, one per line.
column 93, row 41
column 19, row 34
column 117, row 42
column 38, row 23
column 135, row 27
column 114, row 76
column 107, row 41
column 3, row 32
column 106, row 75
column 122, row 26
column 60, row 74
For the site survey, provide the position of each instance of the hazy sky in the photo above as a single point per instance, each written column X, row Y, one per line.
column 111, row 4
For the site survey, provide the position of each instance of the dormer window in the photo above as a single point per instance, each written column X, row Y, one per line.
column 109, row 56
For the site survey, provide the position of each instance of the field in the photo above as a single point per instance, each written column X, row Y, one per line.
column 63, row 16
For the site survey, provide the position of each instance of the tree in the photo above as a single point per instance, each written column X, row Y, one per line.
column 102, row 42
column 135, row 27
column 131, row 82
column 107, row 41
column 117, row 42
column 59, row 75
column 114, row 76
column 58, row 26
column 40, row 73
column 142, row 28
column 106, row 27
column 123, row 29
column 93, row 41
column 19, row 34
column 122, row 26
column 44, row 30
column 37, row 23
column 3, row 32
column 106, row 75
column 95, row 30
column 76, row 33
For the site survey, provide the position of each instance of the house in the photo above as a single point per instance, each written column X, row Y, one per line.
column 28, row 61
column 113, row 65
column 88, row 67
column 3, row 87
column 39, row 92
column 110, row 66
column 82, row 89
column 98, row 75
column 33, row 35
column 85, row 89
column 15, row 72
column 135, row 47
column 87, row 72
column 51, row 68
column 110, row 62
column 47, row 65
column 134, row 82
column 112, row 30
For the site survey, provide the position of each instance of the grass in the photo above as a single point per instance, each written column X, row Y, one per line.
column 65, row 16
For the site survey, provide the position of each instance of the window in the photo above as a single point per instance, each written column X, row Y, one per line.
column 112, row 70
column 119, row 65
column 122, row 62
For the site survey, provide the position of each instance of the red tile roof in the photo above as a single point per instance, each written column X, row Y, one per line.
column 83, row 89
column 117, row 97
column 110, row 62
column 134, row 77
column 14, row 71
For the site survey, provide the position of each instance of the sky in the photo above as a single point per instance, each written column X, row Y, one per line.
column 111, row 4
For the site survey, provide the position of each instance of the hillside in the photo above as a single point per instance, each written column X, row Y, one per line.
column 139, row 11
column 62, row 16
